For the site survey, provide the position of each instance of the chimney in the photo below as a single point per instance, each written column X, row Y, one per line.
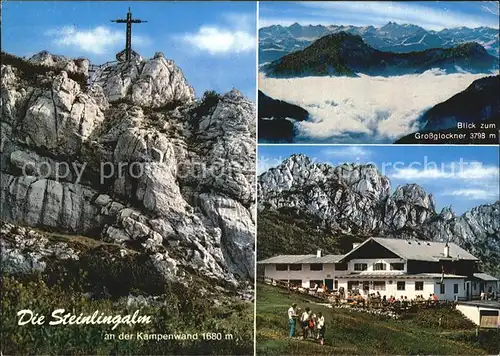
column 318, row 253
column 446, row 250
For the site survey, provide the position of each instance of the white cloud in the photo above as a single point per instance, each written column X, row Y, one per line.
column 241, row 21
column 469, row 180
column 417, row 174
column 351, row 110
column 98, row 40
column 215, row 40
column 465, row 171
column 347, row 152
column 428, row 17
column 466, row 180
column 473, row 194
column 493, row 7
column 236, row 34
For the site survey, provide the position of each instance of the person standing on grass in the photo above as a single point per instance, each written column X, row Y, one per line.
column 321, row 328
column 292, row 315
column 304, row 322
column 311, row 324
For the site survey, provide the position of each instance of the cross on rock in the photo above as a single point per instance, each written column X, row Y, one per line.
column 127, row 53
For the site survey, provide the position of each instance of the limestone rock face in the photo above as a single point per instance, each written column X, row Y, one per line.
column 62, row 118
column 28, row 200
column 357, row 200
column 134, row 161
column 347, row 197
column 80, row 65
column 478, row 230
column 409, row 205
column 13, row 95
column 152, row 83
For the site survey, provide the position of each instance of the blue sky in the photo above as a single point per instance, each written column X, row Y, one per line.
column 212, row 42
column 432, row 15
column 438, row 169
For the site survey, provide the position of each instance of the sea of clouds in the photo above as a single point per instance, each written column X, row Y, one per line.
column 364, row 109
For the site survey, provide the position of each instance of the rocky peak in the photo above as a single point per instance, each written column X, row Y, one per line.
column 299, row 160
column 414, row 194
column 299, row 169
column 447, row 213
column 154, row 82
column 234, row 94
column 333, row 194
column 397, row 30
column 78, row 65
column 46, row 58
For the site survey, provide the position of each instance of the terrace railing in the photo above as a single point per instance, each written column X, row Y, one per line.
column 358, row 301
column 95, row 71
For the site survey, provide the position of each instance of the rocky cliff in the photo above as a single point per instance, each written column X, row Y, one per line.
column 276, row 119
column 356, row 201
column 479, row 102
column 478, row 107
column 134, row 161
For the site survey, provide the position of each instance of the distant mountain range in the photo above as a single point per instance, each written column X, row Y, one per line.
column 277, row 41
column 346, row 54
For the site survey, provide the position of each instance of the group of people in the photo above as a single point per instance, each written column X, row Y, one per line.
column 404, row 299
column 488, row 295
column 376, row 299
column 312, row 325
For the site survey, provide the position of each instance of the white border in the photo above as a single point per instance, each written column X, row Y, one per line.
column 256, row 174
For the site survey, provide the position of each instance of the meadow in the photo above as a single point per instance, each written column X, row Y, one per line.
column 355, row 333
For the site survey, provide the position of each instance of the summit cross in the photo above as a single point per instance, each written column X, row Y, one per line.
column 128, row 43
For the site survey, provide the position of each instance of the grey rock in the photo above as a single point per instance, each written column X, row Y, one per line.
column 154, row 83
column 25, row 251
column 62, row 118
column 103, row 200
column 33, row 202
column 80, row 65
column 14, row 95
column 182, row 190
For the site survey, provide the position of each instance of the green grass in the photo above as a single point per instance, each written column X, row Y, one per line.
column 359, row 333
column 110, row 279
column 289, row 232
column 183, row 311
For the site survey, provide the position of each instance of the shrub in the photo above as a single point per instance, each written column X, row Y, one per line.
column 208, row 101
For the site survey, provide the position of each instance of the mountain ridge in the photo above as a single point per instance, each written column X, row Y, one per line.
column 477, row 105
column 346, row 54
column 276, row 41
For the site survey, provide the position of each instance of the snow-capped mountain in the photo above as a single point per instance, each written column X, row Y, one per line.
column 276, row 41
